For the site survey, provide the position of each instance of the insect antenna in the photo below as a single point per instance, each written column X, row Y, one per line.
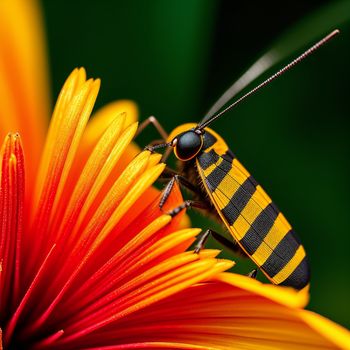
column 297, row 60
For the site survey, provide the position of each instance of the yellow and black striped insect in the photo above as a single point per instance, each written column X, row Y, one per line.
column 222, row 185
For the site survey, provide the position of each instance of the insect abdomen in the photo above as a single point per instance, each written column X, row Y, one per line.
column 251, row 217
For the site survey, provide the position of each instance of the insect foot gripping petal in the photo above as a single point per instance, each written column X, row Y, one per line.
column 201, row 241
column 187, row 204
column 175, row 178
column 166, row 193
column 230, row 245
column 253, row 273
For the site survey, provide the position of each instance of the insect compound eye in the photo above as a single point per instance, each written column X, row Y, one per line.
column 188, row 144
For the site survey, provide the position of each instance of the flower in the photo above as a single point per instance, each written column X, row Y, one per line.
column 93, row 237
column 87, row 259
column 94, row 264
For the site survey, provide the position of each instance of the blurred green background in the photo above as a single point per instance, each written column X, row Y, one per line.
column 175, row 58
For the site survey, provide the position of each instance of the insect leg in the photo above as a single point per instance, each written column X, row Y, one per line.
column 201, row 241
column 182, row 181
column 223, row 241
column 155, row 142
column 168, row 173
column 166, row 193
column 219, row 238
column 188, row 204
column 253, row 273
column 152, row 120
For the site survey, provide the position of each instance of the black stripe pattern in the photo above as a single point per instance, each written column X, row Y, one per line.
column 217, row 175
column 281, row 255
column 239, row 200
column 228, row 156
column 259, row 229
column 300, row 277
column 208, row 140
column 207, row 159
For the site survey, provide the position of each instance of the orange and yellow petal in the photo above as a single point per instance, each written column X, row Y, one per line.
column 12, row 189
column 330, row 330
column 228, row 312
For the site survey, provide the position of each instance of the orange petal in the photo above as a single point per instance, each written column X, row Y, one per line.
column 227, row 315
column 288, row 296
column 11, row 218
column 71, row 114
column 330, row 330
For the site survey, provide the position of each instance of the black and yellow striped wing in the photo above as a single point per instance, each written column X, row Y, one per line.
column 251, row 217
